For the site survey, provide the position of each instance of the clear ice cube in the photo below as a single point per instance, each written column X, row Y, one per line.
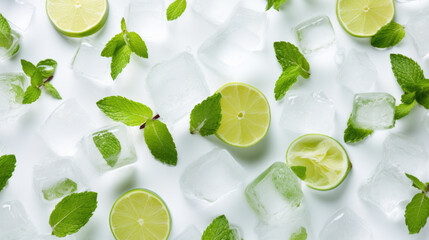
column 417, row 27
column 18, row 12
column 345, row 224
column 14, row 222
column 275, row 193
column 315, row 34
column 89, row 63
column 212, row 176
column 147, row 18
column 215, row 11
column 66, row 125
column 389, row 190
column 358, row 73
column 308, row 113
column 176, row 86
column 234, row 41
column 190, row 233
column 10, row 46
column 12, row 88
column 373, row 111
column 56, row 179
column 110, row 147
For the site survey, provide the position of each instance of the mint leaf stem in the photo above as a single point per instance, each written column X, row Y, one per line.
column 154, row 118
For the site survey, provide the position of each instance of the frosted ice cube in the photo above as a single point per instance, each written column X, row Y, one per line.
column 315, row 34
column 308, row 113
column 275, row 193
column 18, row 12
column 345, row 224
column 9, row 47
column 89, row 63
column 110, row 147
column 190, row 233
column 389, row 190
column 66, row 125
column 12, row 88
column 410, row 156
column 358, row 73
column 235, row 40
column 373, row 111
column 215, row 11
column 212, row 176
column 417, row 27
column 176, row 86
column 147, row 18
column 56, row 179
column 14, row 222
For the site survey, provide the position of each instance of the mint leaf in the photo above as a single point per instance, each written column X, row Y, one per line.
column 408, row 98
column 417, row 212
column 115, row 43
column 218, row 229
column 137, row 45
column 60, row 189
column 416, row 182
column 285, row 81
column 301, row 234
column 7, row 167
column 33, row 72
column 407, row 72
column 47, row 67
column 120, row 60
column 403, row 109
column 388, row 36
column 72, row 213
column 353, row 135
column 422, row 97
column 108, row 145
column 123, row 25
column 19, row 93
column 176, row 9
column 6, row 38
column 31, row 94
column 206, row 116
column 288, row 55
column 160, row 142
column 124, row 110
column 300, row 171
column 51, row 90
column 276, row 3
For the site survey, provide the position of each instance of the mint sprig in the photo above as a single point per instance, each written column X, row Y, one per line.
column 219, row 229
column 156, row 134
column 108, row 145
column 120, row 47
column 206, row 116
column 274, row 3
column 176, row 9
column 388, row 36
column 7, row 167
column 417, row 211
column 293, row 64
column 353, row 134
column 6, row 37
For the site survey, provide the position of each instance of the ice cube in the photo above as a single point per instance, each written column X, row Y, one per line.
column 18, row 12
column 275, row 193
column 212, row 176
column 176, row 86
column 190, row 233
column 358, row 73
column 410, row 156
column 345, row 224
column 89, row 63
column 315, row 34
column 147, row 18
column 417, row 27
column 9, row 47
column 56, row 179
column 234, row 41
column 238, row 235
column 373, row 111
column 215, row 11
column 66, row 125
column 308, row 113
column 110, row 147
column 14, row 222
column 11, row 95
column 389, row 190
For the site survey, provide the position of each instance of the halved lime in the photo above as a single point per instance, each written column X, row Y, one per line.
column 320, row 161
column 246, row 115
column 140, row 214
column 77, row 18
column 363, row 18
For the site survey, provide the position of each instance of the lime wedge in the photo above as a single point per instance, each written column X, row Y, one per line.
column 77, row 18
column 320, row 161
column 363, row 18
column 140, row 214
column 246, row 115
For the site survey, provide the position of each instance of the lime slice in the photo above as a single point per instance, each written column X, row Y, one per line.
column 77, row 18
column 363, row 18
column 320, row 161
column 245, row 115
column 140, row 214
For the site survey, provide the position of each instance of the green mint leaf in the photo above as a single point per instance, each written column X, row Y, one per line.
column 115, row 43
column 417, row 212
column 276, row 3
column 403, row 109
column 160, row 142
column 47, row 67
column 51, row 90
column 28, row 68
column 7, row 167
column 408, row 98
column 285, row 81
column 124, row 110
column 31, row 95
column 353, row 135
column 300, row 171
column 388, row 36
column 60, row 189
column 176, row 9
column 407, row 72
column 19, row 93
column 123, row 25
column 416, row 182
column 300, row 234
column 72, row 213
column 137, row 45
column 6, row 38
column 288, row 55
column 206, row 116
column 120, row 60
column 108, row 145
column 218, row 229
column 422, row 97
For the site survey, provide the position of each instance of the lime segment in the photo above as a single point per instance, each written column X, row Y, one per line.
column 320, row 161
column 140, row 214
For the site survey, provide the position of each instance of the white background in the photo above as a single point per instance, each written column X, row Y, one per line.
column 41, row 41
